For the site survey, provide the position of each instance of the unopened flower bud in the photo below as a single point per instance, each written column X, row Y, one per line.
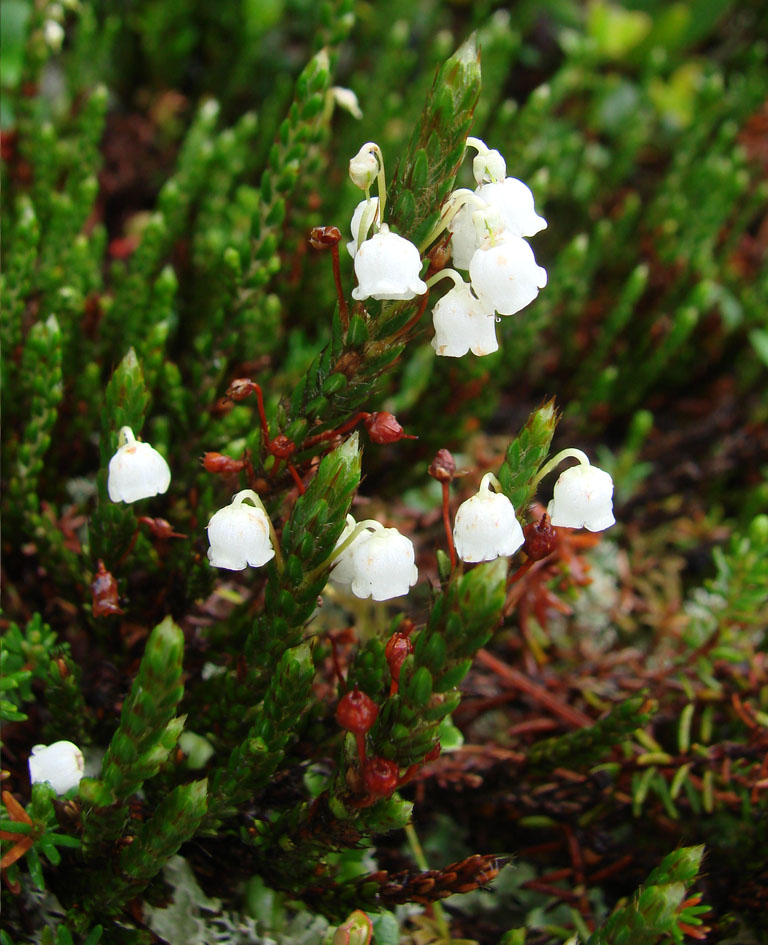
column 221, row 464
column 324, row 237
column 356, row 712
column 60, row 764
column 346, row 99
column 383, row 428
column 240, row 388
column 380, row 776
column 282, row 447
column 364, row 166
column 397, row 650
column 540, row 538
column 443, row 466
column 104, row 593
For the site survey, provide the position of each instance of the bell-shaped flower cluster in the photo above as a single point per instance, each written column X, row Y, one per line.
column 486, row 526
column 377, row 562
column 60, row 764
column 488, row 230
column 136, row 471
column 239, row 534
column 582, row 498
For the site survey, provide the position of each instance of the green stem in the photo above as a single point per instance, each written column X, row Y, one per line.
column 563, row 454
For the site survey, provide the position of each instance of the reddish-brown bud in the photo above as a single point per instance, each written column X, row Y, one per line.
column 397, row 649
column 540, row 538
column 160, row 527
column 383, row 428
column 356, row 711
column 240, row 388
column 380, row 776
column 324, row 237
column 443, row 466
column 221, row 464
column 104, row 592
column 282, row 447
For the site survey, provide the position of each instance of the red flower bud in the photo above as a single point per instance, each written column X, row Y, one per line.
column 104, row 592
column 282, row 447
column 160, row 527
column 383, row 427
column 540, row 538
column 356, row 712
column 240, row 388
column 443, row 467
column 380, row 776
column 324, row 237
column 221, row 464
column 397, row 649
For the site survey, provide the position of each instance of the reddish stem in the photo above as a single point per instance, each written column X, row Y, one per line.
column 343, row 310
column 360, row 739
column 447, row 522
column 296, row 478
column 416, row 318
column 263, row 417
column 337, row 663
column 521, row 571
column 337, row 431
column 515, row 678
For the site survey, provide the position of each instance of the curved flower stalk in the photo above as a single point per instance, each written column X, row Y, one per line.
column 136, row 471
column 60, row 764
column 374, row 561
column 486, row 526
column 372, row 206
column 240, row 534
column 583, row 494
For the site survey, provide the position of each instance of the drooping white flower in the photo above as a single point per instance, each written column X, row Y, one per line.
column 372, row 206
column 61, row 764
column 514, row 201
column 364, row 166
column 136, row 471
column 489, row 166
column 239, row 534
column 582, row 498
column 463, row 324
column 346, row 99
column 505, row 275
column 486, row 526
column 387, row 266
column 53, row 33
column 379, row 562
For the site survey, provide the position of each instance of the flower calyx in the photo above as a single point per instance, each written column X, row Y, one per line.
column 383, row 427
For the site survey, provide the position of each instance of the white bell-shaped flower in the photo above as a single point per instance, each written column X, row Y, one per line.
column 136, row 471
column 387, row 266
column 239, row 534
column 486, row 526
column 463, row 324
column 372, row 206
column 582, row 498
column 379, row 562
column 514, row 201
column 61, row 764
column 505, row 275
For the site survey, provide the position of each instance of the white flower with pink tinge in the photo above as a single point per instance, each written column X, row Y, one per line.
column 378, row 562
column 583, row 498
column 136, row 471
column 486, row 526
